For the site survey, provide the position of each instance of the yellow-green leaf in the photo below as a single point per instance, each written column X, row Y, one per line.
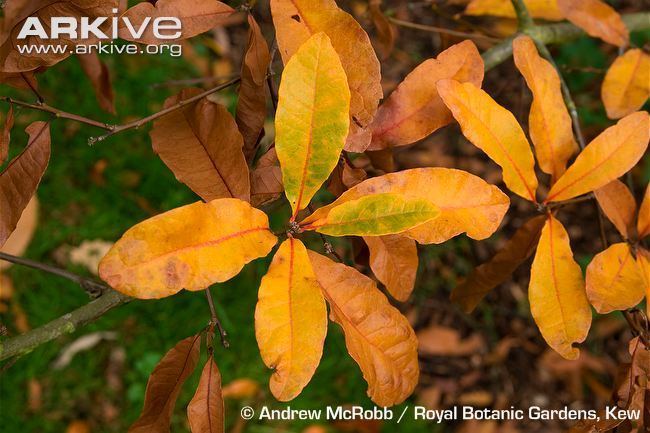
column 549, row 121
column 377, row 335
column 394, row 261
column 609, row 156
column 375, row 215
column 467, row 203
column 495, row 131
column 626, row 86
column 190, row 247
column 614, row 280
column 556, row 292
column 311, row 121
column 290, row 320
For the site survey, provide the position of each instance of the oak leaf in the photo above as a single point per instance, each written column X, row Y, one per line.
column 312, row 120
column 377, row 335
column 206, row 410
column 290, row 320
column 626, row 86
column 394, row 261
column 609, row 156
column 556, row 292
column 495, row 131
column 618, row 205
column 189, row 247
column 596, row 18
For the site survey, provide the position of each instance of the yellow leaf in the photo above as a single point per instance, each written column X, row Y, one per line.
column 618, row 205
column 643, row 223
column 549, row 120
column 614, row 280
column 394, row 261
column 189, row 247
column 375, row 215
column 467, row 203
column 556, row 292
column 626, row 86
column 596, row 18
column 290, row 320
column 494, row 130
column 414, row 110
column 546, row 9
column 311, row 121
column 377, row 335
column 609, row 156
column 296, row 21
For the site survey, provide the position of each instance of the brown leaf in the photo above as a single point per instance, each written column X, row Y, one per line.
column 251, row 105
column 394, row 261
column 165, row 384
column 19, row 80
column 442, row 341
column 205, row 411
column 197, row 16
column 201, row 144
column 596, row 18
column 22, row 235
column 266, row 179
column 15, row 14
column 19, row 180
column 100, row 78
column 469, row 292
column 386, row 32
column 6, row 135
column 618, row 205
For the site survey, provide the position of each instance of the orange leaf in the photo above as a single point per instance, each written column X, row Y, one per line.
column 614, row 280
column 556, row 292
column 643, row 261
column 201, row 145
column 290, row 320
column 546, row 9
column 467, row 203
column 251, row 104
column 18, row 182
column 596, row 18
column 643, row 223
column 549, row 120
column 609, row 156
column 386, row 32
column 190, row 247
column 377, row 335
column 297, row 20
column 394, row 261
column 495, row 131
column 205, row 411
column 414, row 110
column 469, row 292
column 626, row 86
column 165, row 384
column 618, row 205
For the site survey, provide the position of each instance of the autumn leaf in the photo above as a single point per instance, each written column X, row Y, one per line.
column 196, row 16
column 556, row 292
column 165, row 384
column 375, row 215
column 311, row 121
column 394, row 261
column 414, row 110
column 614, row 280
column 596, row 18
column 643, row 222
column 206, row 411
column 19, row 80
column 100, row 78
column 19, row 180
column 377, row 335
column 466, row 202
column 190, row 247
column 266, row 179
column 546, row 9
column 643, row 262
column 201, row 144
column 386, row 32
column 5, row 135
column 618, row 205
column 22, row 235
column 297, row 20
column 470, row 291
column 609, row 156
column 290, row 320
column 626, row 86
column 251, row 104
column 549, row 121
column 494, row 130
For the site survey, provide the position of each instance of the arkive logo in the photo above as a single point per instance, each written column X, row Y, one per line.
column 164, row 28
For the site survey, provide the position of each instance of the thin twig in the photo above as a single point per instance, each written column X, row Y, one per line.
column 58, row 113
column 442, row 30
column 214, row 319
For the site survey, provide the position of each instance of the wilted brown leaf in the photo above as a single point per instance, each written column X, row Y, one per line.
column 99, row 76
column 394, row 261
column 205, row 411
column 5, row 136
column 442, row 341
column 266, row 179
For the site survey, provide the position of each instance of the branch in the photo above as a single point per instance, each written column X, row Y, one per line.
column 442, row 30
column 57, row 113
